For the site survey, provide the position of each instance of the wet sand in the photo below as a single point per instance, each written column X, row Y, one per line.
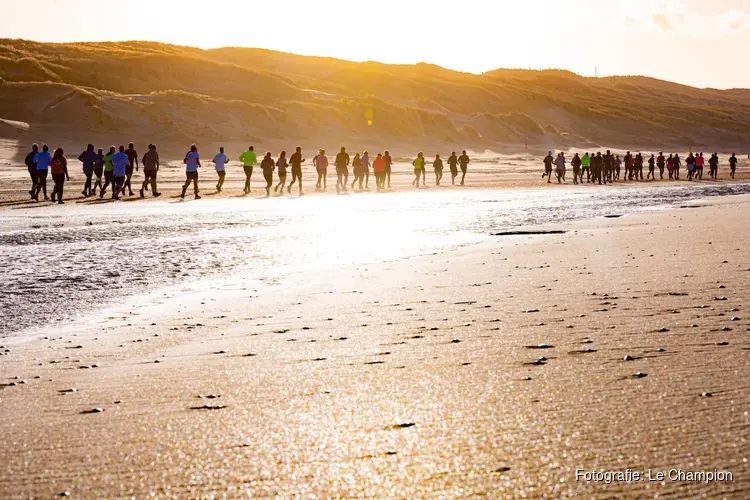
column 495, row 370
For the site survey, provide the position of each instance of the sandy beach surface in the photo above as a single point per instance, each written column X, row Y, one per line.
column 495, row 369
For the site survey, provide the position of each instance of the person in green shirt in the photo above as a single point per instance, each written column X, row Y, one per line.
column 586, row 167
column 418, row 168
column 108, row 178
column 248, row 160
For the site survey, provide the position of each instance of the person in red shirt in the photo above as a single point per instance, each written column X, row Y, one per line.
column 378, row 168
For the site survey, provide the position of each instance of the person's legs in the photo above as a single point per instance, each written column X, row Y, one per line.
column 32, row 175
column 269, row 181
column 87, row 185
column 128, row 176
column 55, row 186
column 41, row 183
column 319, row 184
column 117, row 184
column 248, row 175
column 153, row 184
column 339, row 178
column 388, row 176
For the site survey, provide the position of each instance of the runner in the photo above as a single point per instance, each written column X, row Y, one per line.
column 670, row 166
column 628, row 175
column 107, row 159
column 560, row 167
column 618, row 166
column 609, row 163
column 342, row 162
column 378, row 169
column 365, row 171
column 88, row 158
column 150, row 168
column 576, row 163
column 342, row 176
column 296, row 160
column 690, row 163
column 651, row 168
column 282, row 164
column 699, row 162
column 59, row 170
column 438, row 166
column 31, row 166
column 597, row 165
column 268, row 166
column 388, row 163
column 248, row 160
column 220, row 160
column 321, row 166
column 676, row 167
column 713, row 166
column 638, row 166
column 120, row 164
column 418, row 164
column 585, row 167
column 463, row 160
column 98, row 170
column 548, row 162
column 732, row 165
column 660, row 163
column 192, row 163
column 453, row 164
column 132, row 161
column 356, row 169
column 42, row 161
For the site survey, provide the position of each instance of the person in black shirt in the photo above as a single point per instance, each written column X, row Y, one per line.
column 453, row 164
column 438, row 166
column 31, row 165
column 296, row 162
column 133, row 160
column 548, row 161
column 732, row 166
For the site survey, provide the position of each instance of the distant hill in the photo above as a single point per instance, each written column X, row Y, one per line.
column 146, row 89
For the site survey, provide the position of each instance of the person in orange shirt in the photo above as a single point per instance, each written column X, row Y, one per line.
column 378, row 168
column 59, row 168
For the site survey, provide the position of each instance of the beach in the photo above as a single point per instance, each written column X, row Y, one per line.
column 492, row 365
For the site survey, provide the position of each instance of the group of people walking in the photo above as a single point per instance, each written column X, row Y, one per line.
column 603, row 168
column 114, row 170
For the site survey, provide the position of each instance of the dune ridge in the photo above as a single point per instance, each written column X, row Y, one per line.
column 183, row 93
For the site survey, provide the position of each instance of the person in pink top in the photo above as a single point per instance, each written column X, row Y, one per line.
column 321, row 165
column 699, row 162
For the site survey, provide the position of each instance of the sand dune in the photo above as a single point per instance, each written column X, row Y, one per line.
column 183, row 93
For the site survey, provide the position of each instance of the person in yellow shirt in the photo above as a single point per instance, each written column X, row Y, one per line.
column 248, row 160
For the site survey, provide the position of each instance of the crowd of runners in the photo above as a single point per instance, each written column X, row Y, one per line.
column 114, row 170
column 603, row 168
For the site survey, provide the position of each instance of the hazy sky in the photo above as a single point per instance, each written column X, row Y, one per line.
column 698, row 42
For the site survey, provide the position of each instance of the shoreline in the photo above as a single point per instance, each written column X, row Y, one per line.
column 429, row 364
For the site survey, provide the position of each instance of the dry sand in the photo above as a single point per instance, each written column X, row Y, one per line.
column 409, row 379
